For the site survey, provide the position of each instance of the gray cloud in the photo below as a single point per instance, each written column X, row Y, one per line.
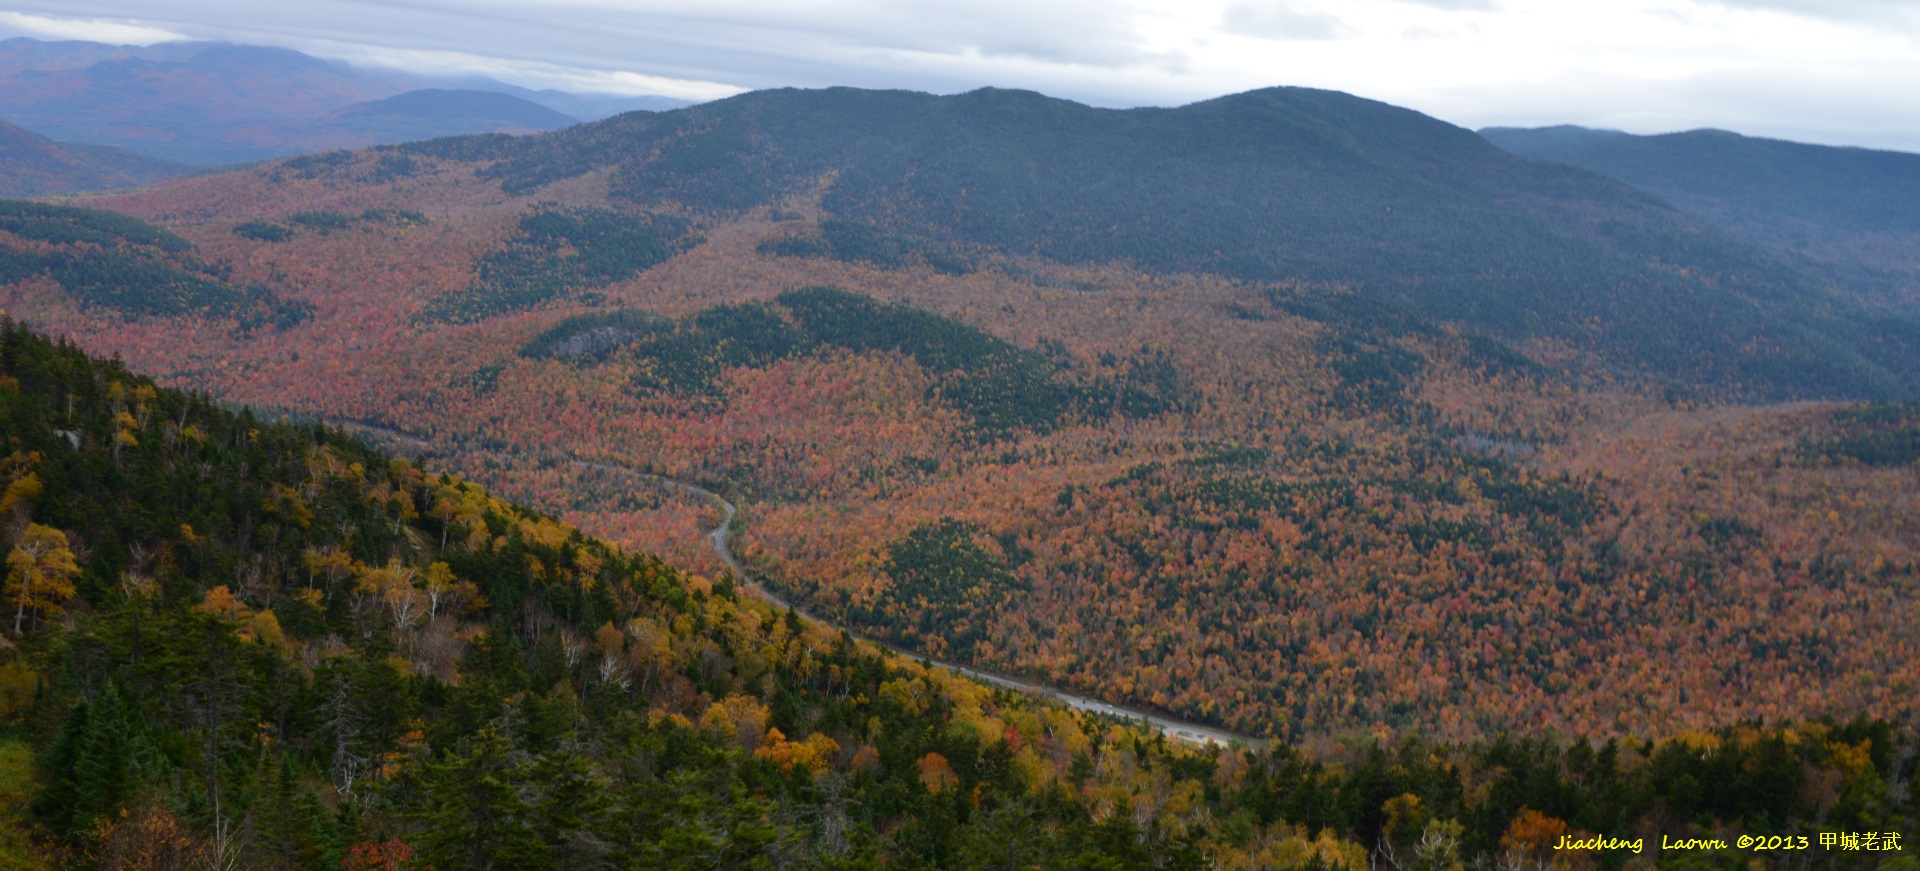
column 1458, row 5
column 1283, row 19
column 934, row 45
column 1834, row 10
column 1095, row 51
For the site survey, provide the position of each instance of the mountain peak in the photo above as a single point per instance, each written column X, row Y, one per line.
column 462, row 107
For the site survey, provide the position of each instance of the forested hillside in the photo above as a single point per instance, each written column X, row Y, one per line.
column 99, row 259
column 32, row 164
column 264, row 645
column 1849, row 213
column 1287, row 508
column 242, row 644
column 245, row 644
column 1283, row 183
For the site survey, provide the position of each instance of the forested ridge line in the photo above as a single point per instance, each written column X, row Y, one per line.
column 1275, row 184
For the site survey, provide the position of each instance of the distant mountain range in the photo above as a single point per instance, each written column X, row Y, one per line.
column 427, row 113
column 1272, row 185
column 1851, row 213
column 31, row 164
column 214, row 103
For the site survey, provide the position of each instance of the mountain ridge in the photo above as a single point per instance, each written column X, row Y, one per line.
column 1846, row 213
column 31, row 165
column 1270, row 185
column 212, row 103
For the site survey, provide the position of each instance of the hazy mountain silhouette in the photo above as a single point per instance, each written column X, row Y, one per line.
column 585, row 107
column 31, row 164
column 212, row 103
column 434, row 112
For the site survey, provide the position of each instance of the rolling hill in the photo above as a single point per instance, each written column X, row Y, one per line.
column 210, row 103
column 194, row 102
column 1849, row 213
column 428, row 113
column 31, row 164
column 433, row 112
column 103, row 260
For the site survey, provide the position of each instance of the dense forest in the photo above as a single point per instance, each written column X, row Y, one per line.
column 1360, row 528
column 248, row 644
column 1263, row 506
column 1003, row 387
column 557, row 253
column 112, row 261
column 33, row 165
column 1848, row 213
column 1272, row 185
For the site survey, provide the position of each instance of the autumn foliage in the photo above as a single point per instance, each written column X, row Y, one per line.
column 1269, row 507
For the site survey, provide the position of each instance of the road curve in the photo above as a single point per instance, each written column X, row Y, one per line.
column 720, row 538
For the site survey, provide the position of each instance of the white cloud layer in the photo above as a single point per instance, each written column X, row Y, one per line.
column 1837, row 71
column 87, row 29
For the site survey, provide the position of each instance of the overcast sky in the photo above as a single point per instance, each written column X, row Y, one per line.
column 1832, row 71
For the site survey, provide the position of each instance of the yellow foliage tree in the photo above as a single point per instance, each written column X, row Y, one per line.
column 1533, row 831
column 936, row 773
column 220, row 602
column 329, row 562
column 739, row 719
column 40, row 572
column 440, row 582
column 19, row 493
column 393, row 587
column 815, row 754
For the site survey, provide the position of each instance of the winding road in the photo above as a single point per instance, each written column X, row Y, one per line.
column 720, row 538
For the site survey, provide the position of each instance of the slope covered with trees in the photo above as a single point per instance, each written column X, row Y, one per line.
column 1265, row 505
column 249, row 644
column 31, row 164
column 108, row 260
column 1001, row 386
column 1846, row 212
column 266, row 646
column 1284, row 183
column 1257, row 505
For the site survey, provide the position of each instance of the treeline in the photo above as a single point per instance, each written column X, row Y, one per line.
column 855, row 241
column 559, row 253
column 1877, row 434
column 108, row 260
column 324, row 221
column 1001, row 386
